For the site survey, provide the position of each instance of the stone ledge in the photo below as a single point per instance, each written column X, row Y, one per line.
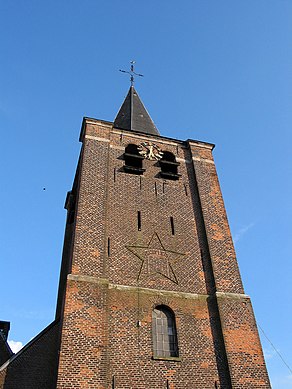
column 127, row 288
column 173, row 359
column 232, row 295
column 83, row 278
column 130, row 288
column 96, row 138
column 203, row 160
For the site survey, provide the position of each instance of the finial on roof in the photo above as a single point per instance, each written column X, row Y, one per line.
column 132, row 73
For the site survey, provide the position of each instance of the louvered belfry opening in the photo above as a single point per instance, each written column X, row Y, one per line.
column 169, row 166
column 133, row 160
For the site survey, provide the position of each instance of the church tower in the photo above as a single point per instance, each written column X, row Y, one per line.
column 150, row 294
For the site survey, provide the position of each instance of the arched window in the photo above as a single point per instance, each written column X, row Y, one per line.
column 169, row 166
column 133, row 160
column 164, row 332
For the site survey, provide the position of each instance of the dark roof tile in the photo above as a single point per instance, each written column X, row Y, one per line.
column 133, row 115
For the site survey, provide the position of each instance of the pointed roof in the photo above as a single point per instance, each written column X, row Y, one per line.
column 133, row 115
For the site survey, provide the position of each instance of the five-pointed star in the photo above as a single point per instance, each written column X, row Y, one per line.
column 155, row 258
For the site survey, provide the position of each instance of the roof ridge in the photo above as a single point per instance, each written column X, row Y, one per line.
column 29, row 344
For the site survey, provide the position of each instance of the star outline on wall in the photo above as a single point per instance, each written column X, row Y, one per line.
column 140, row 251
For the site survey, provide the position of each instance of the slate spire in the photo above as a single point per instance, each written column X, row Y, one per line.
column 133, row 116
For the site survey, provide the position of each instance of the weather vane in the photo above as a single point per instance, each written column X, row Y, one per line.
column 132, row 72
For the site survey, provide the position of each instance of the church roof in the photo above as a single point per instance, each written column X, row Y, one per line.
column 133, row 115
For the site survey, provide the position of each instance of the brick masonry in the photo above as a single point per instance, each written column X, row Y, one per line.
column 113, row 274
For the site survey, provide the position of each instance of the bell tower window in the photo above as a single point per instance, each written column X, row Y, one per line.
column 169, row 166
column 133, row 160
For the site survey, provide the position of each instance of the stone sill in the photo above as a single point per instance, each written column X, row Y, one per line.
column 174, row 359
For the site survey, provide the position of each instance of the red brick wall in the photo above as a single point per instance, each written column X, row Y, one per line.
column 237, row 321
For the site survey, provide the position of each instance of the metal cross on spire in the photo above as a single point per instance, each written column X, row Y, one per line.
column 132, row 73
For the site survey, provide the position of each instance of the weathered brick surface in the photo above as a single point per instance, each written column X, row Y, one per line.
column 102, row 319
column 35, row 366
column 242, row 344
column 84, row 337
column 130, row 346
column 237, row 321
column 120, row 273
column 220, row 243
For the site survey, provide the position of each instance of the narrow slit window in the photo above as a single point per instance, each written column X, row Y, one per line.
column 172, row 225
column 108, row 247
column 139, row 220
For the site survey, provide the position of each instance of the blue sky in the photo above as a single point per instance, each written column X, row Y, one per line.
column 217, row 71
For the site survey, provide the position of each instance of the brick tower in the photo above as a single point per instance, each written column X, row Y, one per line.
column 150, row 292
